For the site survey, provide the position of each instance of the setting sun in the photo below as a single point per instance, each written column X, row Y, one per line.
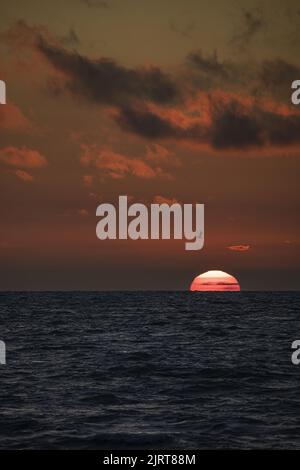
column 215, row 281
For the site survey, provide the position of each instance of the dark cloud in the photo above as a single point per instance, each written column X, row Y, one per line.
column 107, row 82
column 232, row 127
column 281, row 130
column 208, row 72
column 276, row 77
column 208, row 65
column 266, row 78
column 151, row 126
column 236, row 126
column 233, row 121
column 71, row 39
column 145, row 123
column 253, row 23
column 104, row 81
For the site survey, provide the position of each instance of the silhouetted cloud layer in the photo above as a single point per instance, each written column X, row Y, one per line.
column 22, row 157
column 231, row 126
column 104, row 81
column 221, row 104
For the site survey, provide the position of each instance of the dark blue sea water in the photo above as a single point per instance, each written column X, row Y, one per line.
column 149, row 370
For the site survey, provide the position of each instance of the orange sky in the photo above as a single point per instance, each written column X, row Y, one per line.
column 179, row 102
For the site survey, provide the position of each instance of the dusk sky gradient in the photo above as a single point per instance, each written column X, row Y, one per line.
column 178, row 100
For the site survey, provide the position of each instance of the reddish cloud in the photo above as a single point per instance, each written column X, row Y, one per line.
column 83, row 212
column 221, row 122
column 164, row 200
column 12, row 118
column 87, row 180
column 22, row 157
column 158, row 154
column 24, row 176
column 239, row 247
column 208, row 103
column 116, row 165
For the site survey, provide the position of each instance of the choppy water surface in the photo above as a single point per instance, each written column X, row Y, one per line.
column 149, row 370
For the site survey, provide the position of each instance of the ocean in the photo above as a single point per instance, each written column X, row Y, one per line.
column 149, row 370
